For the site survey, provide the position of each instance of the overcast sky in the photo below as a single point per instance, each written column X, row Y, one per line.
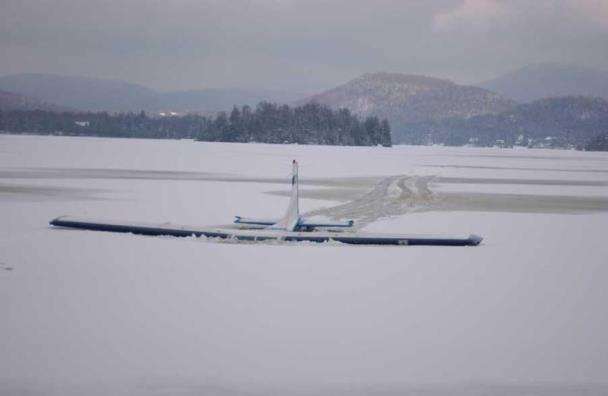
column 295, row 44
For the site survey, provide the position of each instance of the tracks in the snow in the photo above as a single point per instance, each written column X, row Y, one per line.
column 391, row 196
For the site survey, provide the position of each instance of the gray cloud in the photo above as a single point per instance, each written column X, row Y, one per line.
column 296, row 44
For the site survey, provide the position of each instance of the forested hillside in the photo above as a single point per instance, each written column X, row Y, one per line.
column 404, row 98
column 11, row 101
column 552, row 122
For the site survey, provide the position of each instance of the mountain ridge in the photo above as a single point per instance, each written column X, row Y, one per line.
column 10, row 101
column 99, row 94
column 406, row 98
column 544, row 80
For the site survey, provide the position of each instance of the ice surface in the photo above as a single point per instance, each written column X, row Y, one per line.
column 100, row 313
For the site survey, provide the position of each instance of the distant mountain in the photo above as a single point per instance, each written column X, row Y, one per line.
column 11, row 101
column 403, row 98
column 95, row 94
column 552, row 122
column 550, row 80
column 213, row 100
column 82, row 93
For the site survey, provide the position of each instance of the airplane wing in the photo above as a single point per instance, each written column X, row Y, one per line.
column 306, row 224
column 248, row 220
column 302, row 224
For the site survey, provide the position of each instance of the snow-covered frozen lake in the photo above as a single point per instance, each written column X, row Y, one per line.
column 99, row 313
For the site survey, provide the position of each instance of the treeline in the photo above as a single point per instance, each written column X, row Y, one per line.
column 103, row 124
column 598, row 143
column 308, row 124
column 267, row 123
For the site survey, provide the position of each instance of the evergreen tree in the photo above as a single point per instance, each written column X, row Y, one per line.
column 385, row 133
column 234, row 132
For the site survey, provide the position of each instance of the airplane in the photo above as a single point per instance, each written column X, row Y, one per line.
column 292, row 221
column 291, row 227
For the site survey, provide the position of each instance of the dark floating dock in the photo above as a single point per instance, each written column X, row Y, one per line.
column 264, row 234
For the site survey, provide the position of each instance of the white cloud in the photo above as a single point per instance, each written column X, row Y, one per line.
column 275, row 43
column 475, row 15
column 596, row 10
column 485, row 15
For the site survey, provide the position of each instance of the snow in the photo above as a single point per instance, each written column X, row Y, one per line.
column 101, row 313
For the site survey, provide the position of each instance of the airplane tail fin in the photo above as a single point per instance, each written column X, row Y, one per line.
column 291, row 219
